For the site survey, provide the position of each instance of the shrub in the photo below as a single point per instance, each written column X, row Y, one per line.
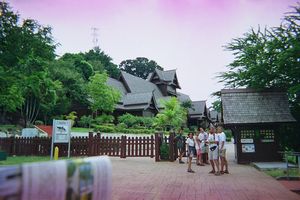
column 228, row 134
column 147, row 121
column 121, row 125
column 104, row 129
column 121, row 128
column 186, row 130
column 38, row 122
column 104, row 119
column 71, row 116
column 193, row 128
column 127, row 119
column 85, row 121
column 164, row 151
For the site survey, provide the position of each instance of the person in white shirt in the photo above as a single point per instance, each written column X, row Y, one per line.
column 198, row 149
column 190, row 146
column 213, row 140
column 222, row 150
column 204, row 147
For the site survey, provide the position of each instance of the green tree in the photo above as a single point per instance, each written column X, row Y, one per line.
column 216, row 105
column 39, row 90
column 140, row 67
column 24, row 48
column 74, row 85
column 101, row 60
column 270, row 59
column 103, row 97
column 85, row 68
column 172, row 116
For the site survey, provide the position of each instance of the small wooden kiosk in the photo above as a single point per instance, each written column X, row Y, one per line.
column 254, row 118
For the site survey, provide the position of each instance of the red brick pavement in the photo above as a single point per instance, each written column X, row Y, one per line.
column 143, row 178
column 291, row 185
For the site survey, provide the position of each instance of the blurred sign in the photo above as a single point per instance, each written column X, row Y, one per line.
column 88, row 178
column 248, row 148
column 61, row 131
column 246, row 140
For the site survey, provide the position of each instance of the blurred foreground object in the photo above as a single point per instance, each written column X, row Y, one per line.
column 88, row 178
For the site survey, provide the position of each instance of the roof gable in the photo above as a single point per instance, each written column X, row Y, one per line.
column 183, row 97
column 198, row 108
column 169, row 77
column 117, row 84
column 138, row 85
column 241, row 106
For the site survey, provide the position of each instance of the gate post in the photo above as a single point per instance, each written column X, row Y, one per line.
column 171, row 147
column 13, row 145
column 97, row 144
column 90, row 144
column 123, row 146
column 157, row 147
column 152, row 146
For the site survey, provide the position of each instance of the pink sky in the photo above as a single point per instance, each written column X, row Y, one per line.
column 187, row 35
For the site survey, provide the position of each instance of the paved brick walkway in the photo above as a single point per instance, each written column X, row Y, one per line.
column 143, row 178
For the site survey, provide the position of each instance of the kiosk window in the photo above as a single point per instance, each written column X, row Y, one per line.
column 267, row 135
column 247, row 134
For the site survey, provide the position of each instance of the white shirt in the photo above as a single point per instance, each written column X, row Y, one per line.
column 213, row 138
column 197, row 142
column 202, row 137
column 190, row 142
column 222, row 138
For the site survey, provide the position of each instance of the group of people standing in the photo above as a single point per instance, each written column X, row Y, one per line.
column 205, row 146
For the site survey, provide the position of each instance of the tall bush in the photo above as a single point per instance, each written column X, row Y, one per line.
column 85, row 121
column 128, row 119
column 104, row 119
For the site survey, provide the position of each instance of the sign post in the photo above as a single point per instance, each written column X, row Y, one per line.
column 61, row 133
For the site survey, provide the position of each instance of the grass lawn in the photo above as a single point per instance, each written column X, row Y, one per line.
column 282, row 172
column 15, row 160
column 8, row 126
column 79, row 129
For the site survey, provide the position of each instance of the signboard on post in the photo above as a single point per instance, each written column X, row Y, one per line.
column 61, row 133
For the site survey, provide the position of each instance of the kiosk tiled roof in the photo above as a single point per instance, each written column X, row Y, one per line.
column 244, row 106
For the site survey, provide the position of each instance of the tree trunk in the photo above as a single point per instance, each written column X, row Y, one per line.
column 30, row 110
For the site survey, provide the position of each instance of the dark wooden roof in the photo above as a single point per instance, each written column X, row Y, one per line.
column 168, row 77
column 138, row 93
column 244, row 106
column 198, row 109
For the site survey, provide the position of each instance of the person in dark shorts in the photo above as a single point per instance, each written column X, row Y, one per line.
column 180, row 145
column 190, row 145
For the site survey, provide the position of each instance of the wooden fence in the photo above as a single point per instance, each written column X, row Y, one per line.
column 82, row 146
column 93, row 146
